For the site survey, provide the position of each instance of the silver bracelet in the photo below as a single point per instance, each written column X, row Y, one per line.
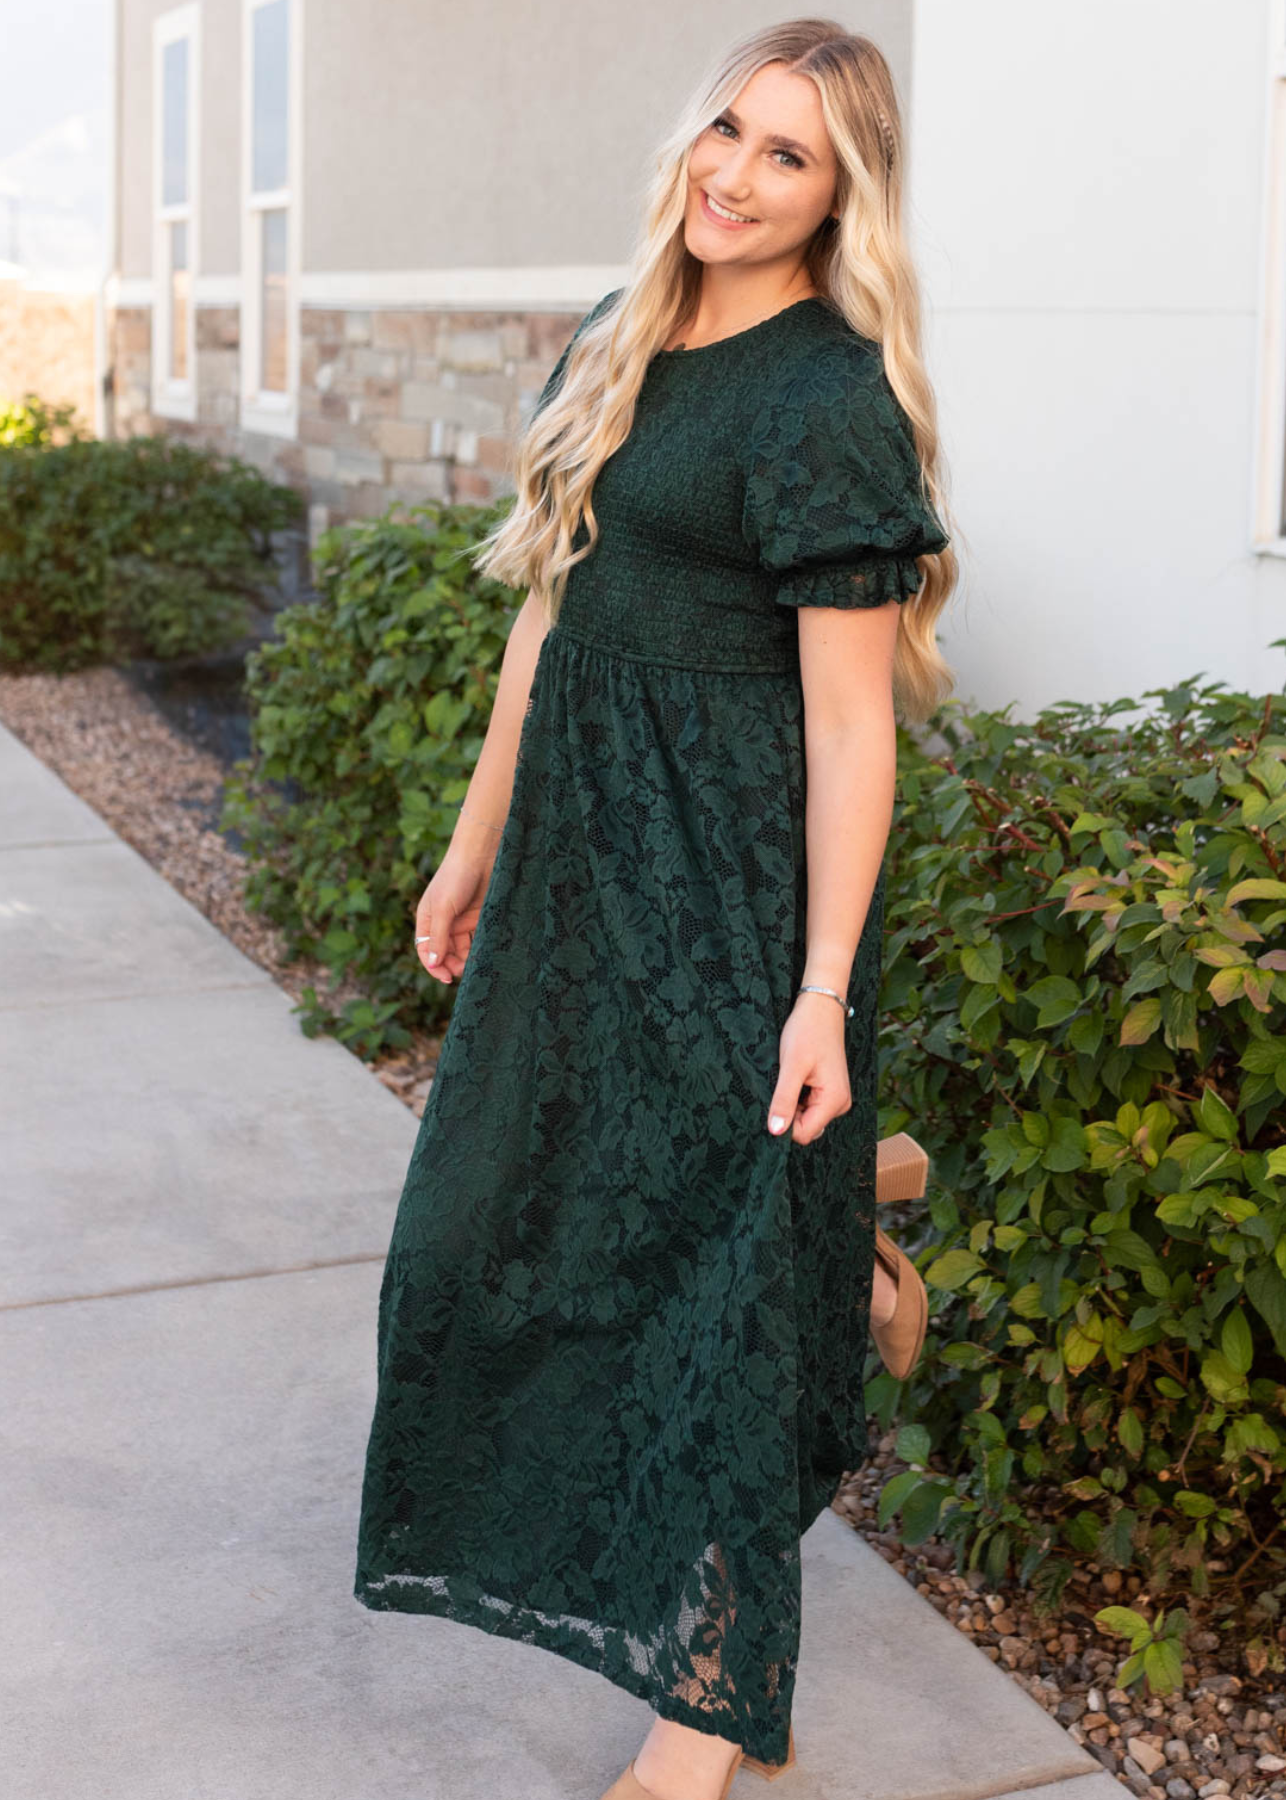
column 812, row 988
column 486, row 822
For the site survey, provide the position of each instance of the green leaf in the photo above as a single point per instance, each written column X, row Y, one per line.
column 1266, row 1291
column 964, row 1354
column 1131, row 1669
column 1163, row 1665
column 1081, row 1345
column 1216, row 1118
column 1257, row 888
column 1140, row 1021
column 982, row 962
column 913, row 1444
column 1222, row 1381
column 1178, row 1209
column 952, row 1269
column 1067, row 1148
column 893, row 1493
column 921, row 1510
column 1056, row 998
column 1128, row 1250
column 1123, row 1621
column 1129, row 1430
column 1235, row 1341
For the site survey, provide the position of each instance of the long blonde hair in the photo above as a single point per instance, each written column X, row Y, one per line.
column 862, row 266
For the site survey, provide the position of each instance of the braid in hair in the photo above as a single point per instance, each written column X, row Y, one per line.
column 886, row 129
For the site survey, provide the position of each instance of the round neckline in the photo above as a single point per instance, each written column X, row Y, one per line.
column 735, row 337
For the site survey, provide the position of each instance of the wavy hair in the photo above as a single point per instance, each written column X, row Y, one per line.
column 860, row 263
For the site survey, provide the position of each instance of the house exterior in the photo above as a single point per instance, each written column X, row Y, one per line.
column 347, row 244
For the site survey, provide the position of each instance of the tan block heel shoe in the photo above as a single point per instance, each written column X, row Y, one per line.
column 901, row 1168
column 901, row 1173
column 900, row 1338
column 627, row 1785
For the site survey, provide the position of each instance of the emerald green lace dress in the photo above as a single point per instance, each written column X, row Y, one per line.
column 622, row 1327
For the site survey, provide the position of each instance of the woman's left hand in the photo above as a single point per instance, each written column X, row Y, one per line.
column 812, row 1055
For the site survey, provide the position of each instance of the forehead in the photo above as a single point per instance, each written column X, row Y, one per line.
column 782, row 108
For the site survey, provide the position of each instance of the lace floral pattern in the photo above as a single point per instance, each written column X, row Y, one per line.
column 621, row 1326
column 832, row 485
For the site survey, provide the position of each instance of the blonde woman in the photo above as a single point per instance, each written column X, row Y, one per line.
column 625, row 1311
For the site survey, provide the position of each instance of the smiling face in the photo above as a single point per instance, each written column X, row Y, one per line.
column 767, row 160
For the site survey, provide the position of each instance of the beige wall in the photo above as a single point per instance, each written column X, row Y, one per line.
column 440, row 135
column 134, row 134
column 506, row 134
column 221, row 137
column 219, row 213
column 47, row 347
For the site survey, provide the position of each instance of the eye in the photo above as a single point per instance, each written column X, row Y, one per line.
column 792, row 160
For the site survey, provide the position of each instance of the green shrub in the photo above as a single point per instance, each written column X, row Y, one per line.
column 1084, row 1001
column 143, row 547
column 368, row 714
column 30, row 421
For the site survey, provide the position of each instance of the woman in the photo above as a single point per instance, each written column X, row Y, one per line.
column 625, row 1310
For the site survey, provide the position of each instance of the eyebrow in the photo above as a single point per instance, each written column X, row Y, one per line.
column 783, row 143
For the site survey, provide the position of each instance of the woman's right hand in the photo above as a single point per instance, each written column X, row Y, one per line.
column 448, row 913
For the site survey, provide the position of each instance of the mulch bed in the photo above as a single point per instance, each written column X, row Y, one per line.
column 1222, row 1733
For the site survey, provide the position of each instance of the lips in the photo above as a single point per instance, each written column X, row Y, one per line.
column 716, row 219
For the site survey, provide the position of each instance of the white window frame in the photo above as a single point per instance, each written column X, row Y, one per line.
column 173, row 399
column 274, row 413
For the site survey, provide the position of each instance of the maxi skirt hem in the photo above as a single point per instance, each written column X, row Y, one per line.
column 441, row 1597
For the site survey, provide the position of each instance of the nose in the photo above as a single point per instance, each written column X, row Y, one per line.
column 732, row 182
column 734, row 178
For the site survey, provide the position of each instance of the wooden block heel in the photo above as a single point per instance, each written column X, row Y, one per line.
column 770, row 1771
column 901, row 1168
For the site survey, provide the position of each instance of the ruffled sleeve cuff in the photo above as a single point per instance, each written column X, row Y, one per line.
column 869, row 583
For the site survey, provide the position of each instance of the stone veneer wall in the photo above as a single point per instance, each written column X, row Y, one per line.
column 129, row 358
column 395, row 404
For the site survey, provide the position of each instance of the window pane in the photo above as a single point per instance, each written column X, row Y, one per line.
column 272, row 372
column 174, row 122
column 268, row 162
column 179, row 278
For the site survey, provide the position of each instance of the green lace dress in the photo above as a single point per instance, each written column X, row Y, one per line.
column 622, row 1327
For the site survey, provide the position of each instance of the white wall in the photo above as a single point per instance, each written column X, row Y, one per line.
column 1087, row 189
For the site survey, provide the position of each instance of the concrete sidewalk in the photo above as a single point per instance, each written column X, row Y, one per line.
column 196, row 1204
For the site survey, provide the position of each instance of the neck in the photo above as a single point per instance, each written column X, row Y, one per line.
column 732, row 298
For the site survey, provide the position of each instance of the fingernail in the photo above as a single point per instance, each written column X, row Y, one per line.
column 433, row 956
column 776, row 1123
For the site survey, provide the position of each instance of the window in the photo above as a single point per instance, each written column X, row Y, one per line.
column 271, row 217
column 175, row 90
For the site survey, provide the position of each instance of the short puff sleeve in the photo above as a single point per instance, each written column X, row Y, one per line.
column 832, row 498
column 555, row 380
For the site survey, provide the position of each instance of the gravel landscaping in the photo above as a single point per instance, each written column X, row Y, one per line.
column 1221, row 1733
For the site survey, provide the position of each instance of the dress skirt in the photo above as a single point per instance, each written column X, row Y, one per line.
column 622, row 1326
